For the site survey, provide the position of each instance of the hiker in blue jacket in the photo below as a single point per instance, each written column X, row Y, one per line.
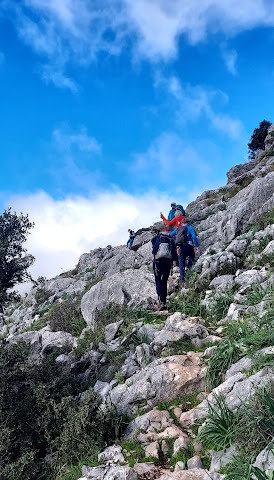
column 172, row 211
column 131, row 238
column 164, row 252
column 187, row 245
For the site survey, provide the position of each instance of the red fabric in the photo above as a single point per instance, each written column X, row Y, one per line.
column 176, row 221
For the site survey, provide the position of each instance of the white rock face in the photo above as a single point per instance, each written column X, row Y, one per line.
column 177, row 327
column 162, row 380
column 132, row 288
column 45, row 342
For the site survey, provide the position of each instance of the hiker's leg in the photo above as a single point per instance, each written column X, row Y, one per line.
column 157, row 276
column 166, row 265
column 191, row 256
column 182, row 262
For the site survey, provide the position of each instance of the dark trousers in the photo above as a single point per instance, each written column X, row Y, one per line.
column 187, row 251
column 161, row 269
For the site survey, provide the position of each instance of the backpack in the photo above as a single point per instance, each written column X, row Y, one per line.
column 179, row 207
column 164, row 250
column 181, row 235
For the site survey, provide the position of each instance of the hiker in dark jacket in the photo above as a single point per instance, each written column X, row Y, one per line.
column 164, row 252
column 172, row 211
column 131, row 238
column 186, row 246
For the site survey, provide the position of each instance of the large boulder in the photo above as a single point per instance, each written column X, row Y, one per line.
column 132, row 288
column 162, row 380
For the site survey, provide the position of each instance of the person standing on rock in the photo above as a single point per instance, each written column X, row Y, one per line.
column 164, row 252
column 131, row 238
column 172, row 211
column 186, row 246
column 176, row 221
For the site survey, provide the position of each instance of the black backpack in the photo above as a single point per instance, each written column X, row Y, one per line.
column 181, row 235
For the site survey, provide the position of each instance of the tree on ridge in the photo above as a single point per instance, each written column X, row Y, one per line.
column 14, row 259
column 258, row 137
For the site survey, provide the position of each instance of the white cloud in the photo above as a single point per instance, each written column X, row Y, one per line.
column 75, row 31
column 167, row 160
column 65, row 139
column 230, row 58
column 160, row 23
column 191, row 103
column 65, row 229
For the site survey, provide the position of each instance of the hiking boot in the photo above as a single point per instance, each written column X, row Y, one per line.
column 162, row 306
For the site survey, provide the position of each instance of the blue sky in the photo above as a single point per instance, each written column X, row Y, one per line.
column 113, row 108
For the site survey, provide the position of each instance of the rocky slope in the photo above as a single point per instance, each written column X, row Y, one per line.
column 165, row 371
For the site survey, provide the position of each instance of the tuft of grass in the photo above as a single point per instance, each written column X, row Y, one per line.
column 258, row 293
column 134, row 452
column 218, row 430
column 224, row 355
column 189, row 305
column 220, row 305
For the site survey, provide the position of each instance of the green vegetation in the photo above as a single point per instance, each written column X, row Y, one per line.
column 63, row 316
column 14, row 260
column 189, row 304
column 218, row 430
column 254, row 420
column 258, row 137
column 42, row 417
column 263, row 220
column 220, row 305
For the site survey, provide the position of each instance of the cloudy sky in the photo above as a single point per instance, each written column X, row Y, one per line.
column 110, row 109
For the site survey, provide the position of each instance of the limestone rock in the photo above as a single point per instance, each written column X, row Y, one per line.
column 132, row 288
column 112, row 455
column 108, row 473
column 162, row 380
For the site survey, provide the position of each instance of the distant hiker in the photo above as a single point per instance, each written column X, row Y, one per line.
column 164, row 252
column 180, row 207
column 176, row 221
column 131, row 238
column 172, row 211
column 186, row 245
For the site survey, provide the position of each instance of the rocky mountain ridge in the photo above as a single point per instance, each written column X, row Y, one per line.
column 165, row 371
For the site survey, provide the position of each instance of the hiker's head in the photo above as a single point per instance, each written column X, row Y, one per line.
column 178, row 213
column 155, row 231
column 173, row 204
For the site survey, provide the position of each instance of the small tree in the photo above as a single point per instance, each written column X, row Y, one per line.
column 257, row 140
column 14, row 261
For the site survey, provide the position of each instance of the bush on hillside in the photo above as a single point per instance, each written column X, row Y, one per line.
column 44, row 422
column 258, row 137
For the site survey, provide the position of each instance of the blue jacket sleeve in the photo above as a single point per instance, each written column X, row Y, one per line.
column 191, row 232
column 155, row 245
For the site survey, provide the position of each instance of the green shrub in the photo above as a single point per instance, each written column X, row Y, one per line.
column 42, row 295
column 43, row 416
column 265, row 219
column 66, row 316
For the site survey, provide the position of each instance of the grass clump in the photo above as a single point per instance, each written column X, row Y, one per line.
column 190, row 304
column 220, row 305
column 218, row 430
column 133, row 452
column 224, row 355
